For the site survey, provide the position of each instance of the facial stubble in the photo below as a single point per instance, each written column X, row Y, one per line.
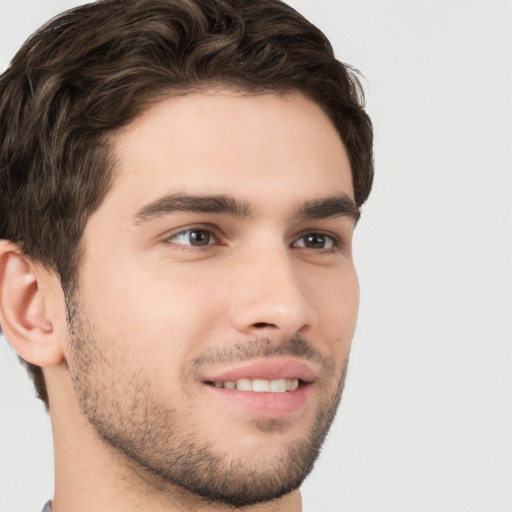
column 149, row 437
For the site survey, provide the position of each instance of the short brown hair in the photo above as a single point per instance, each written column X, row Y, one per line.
column 95, row 68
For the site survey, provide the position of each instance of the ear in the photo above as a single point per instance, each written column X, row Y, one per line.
column 24, row 317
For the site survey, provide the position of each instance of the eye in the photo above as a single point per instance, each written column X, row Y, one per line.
column 193, row 237
column 316, row 241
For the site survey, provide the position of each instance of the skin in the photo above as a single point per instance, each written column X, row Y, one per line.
column 156, row 316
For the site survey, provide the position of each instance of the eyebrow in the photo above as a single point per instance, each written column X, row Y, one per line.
column 188, row 203
column 336, row 206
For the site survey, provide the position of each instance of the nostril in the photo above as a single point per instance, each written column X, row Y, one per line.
column 261, row 325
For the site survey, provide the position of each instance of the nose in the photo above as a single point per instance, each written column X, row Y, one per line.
column 269, row 297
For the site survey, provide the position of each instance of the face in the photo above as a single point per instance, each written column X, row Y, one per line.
column 217, row 296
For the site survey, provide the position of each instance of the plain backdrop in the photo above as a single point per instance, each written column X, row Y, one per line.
column 426, row 419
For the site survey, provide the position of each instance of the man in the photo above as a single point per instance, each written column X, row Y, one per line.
column 179, row 185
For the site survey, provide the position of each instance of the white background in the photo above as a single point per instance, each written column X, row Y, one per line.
column 426, row 420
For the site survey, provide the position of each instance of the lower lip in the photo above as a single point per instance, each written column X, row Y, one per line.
column 266, row 405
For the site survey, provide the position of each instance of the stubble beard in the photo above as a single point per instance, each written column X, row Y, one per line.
column 149, row 438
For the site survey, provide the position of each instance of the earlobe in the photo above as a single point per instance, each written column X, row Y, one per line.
column 23, row 313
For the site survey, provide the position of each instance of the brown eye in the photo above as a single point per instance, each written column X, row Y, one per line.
column 315, row 241
column 193, row 237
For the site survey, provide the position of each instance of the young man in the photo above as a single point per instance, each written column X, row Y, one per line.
column 179, row 185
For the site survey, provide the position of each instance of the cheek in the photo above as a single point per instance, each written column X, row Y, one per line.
column 337, row 305
column 162, row 314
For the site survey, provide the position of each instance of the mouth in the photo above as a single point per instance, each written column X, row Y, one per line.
column 258, row 385
column 264, row 389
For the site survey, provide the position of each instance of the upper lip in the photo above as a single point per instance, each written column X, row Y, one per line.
column 269, row 369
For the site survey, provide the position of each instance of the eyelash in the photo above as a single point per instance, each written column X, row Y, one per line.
column 190, row 230
column 335, row 241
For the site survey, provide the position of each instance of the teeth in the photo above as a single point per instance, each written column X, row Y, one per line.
column 278, row 386
column 260, row 385
column 244, row 384
column 292, row 385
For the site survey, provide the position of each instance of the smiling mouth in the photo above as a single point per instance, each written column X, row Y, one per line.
column 258, row 385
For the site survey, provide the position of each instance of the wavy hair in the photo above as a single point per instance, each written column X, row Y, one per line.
column 95, row 68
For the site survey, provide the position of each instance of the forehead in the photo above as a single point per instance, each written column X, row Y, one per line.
column 225, row 142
